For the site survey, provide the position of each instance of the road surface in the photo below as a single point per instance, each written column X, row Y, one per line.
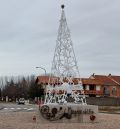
column 13, row 107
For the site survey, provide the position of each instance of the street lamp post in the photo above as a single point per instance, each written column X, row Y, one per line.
column 42, row 69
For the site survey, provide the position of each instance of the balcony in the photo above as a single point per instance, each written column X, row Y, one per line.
column 94, row 92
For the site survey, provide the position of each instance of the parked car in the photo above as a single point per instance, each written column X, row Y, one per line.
column 21, row 101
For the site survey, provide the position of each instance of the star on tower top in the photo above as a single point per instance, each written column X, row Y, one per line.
column 62, row 6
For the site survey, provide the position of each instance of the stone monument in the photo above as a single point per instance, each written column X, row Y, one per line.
column 65, row 100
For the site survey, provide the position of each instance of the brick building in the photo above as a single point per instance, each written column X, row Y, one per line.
column 94, row 86
column 110, row 85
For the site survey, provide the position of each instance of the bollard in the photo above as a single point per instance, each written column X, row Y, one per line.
column 34, row 118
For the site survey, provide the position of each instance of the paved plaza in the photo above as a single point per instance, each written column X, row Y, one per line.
column 24, row 120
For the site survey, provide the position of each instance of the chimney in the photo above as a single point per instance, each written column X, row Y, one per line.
column 109, row 75
column 93, row 74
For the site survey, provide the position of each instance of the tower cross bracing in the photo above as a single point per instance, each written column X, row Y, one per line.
column 64, row 69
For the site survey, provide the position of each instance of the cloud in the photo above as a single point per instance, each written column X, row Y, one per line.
column 28, row 32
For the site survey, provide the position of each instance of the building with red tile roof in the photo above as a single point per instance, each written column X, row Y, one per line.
column 94, row 86
column 111, row 84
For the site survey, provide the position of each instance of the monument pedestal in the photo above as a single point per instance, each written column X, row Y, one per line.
column 68, row 113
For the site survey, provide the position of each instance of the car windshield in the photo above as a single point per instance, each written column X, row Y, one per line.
column 21, row 99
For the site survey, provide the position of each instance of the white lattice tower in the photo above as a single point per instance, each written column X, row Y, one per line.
column 64, row 69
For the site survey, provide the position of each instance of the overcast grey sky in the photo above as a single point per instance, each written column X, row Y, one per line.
column 28, row 32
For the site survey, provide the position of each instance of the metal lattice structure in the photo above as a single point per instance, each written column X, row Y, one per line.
column 64, row 70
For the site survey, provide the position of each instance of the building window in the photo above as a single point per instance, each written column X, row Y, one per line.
column 92, row 87
column 114, row 91
column 106, row 91
column 97, row 88
column 84, row 86
column 87, row 87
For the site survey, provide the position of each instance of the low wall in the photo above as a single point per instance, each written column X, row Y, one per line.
column 103, row 101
